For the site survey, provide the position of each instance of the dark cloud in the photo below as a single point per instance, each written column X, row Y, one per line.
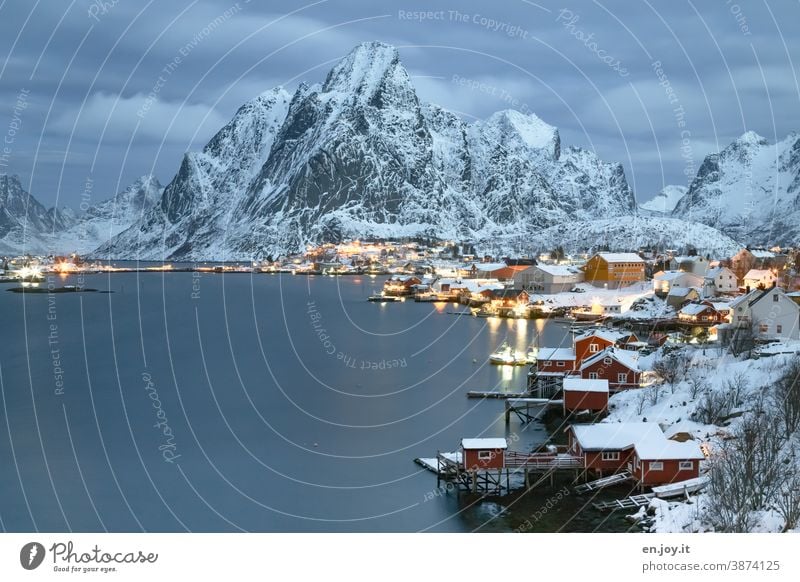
column 586, row 67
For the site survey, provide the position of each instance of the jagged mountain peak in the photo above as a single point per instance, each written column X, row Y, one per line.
column 362, row 71
column 750, row 138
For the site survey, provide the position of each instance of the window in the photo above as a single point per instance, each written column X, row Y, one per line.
column 484, row 455
column 763, row 328
column 776, row 298
column 622, row 377
column 592, row 375
column 779, row 328
column 594, row 348
column 656, row 466
column 606, row 361
column 610, row 456
column 546, row 364
column 686, row 465
column 560, row 364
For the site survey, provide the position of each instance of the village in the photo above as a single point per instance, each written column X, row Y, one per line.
column 669, row 354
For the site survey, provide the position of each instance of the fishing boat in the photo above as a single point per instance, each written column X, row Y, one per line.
column 507, row 356
column 384, row 298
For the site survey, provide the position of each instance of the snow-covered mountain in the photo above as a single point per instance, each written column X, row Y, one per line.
column 110, row 217
column 361, row 155
column 23, row 219
column 26, row 226
column 750, row 190
column 665, row 201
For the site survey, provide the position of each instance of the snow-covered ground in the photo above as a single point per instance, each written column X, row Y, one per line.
column 596, row 295
column 673, row 407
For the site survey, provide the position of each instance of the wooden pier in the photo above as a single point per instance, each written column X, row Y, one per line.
column 495, row 394
column 534, row 468
column 529, row 409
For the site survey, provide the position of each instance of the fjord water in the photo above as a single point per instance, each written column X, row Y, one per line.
column 211, row 402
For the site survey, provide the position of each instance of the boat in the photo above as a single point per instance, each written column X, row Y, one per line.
column 506, row 356
column 681, row 487
column 384, row 298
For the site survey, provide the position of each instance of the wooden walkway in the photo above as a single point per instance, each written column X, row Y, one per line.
column 632, row 502
column 495, row 394
column 603, row 482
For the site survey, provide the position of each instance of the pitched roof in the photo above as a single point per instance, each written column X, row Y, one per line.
column 555, row 354
column 614, row 435
column 484, row 443
column 578, row 384
column 626, row 358
column 665, row 449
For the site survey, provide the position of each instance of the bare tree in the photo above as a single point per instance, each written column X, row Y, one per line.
column 786, row 398
column 787, row 502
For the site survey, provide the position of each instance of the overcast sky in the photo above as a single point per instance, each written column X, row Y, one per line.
column 75, row 76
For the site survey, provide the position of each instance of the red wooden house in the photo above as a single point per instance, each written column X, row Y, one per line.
column 580, row 394
column 555, row 360
column 608, row 447
column 618, row 366
column 661, row 461
column 483, row 453
column 595, row 341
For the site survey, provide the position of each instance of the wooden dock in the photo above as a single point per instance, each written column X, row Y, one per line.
column 495, row 394
column 529, row 409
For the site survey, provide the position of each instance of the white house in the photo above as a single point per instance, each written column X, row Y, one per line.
column 759, row 278
column 695, row 264
column 665, row 281
column 718, row 281
column 769, row 312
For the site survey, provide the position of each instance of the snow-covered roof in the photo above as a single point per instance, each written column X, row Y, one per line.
column 759, row 274
column 615, row 435
column 486, row 443
column 555, row 354
column 558, row 270
column 625, row 357
column 606, row 334
column 671, row 275
column 680, row 291
column 577, row 384
column 650, row 449
column 621, row 257
column 694, row 308
column 488, row 267
column 762, row 254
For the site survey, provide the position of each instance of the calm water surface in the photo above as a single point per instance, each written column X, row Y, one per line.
column 243, row 402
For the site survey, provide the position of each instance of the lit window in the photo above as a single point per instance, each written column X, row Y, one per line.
column 763, row 328
column 686, row 465
column 610, row 456
column 656, row 466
